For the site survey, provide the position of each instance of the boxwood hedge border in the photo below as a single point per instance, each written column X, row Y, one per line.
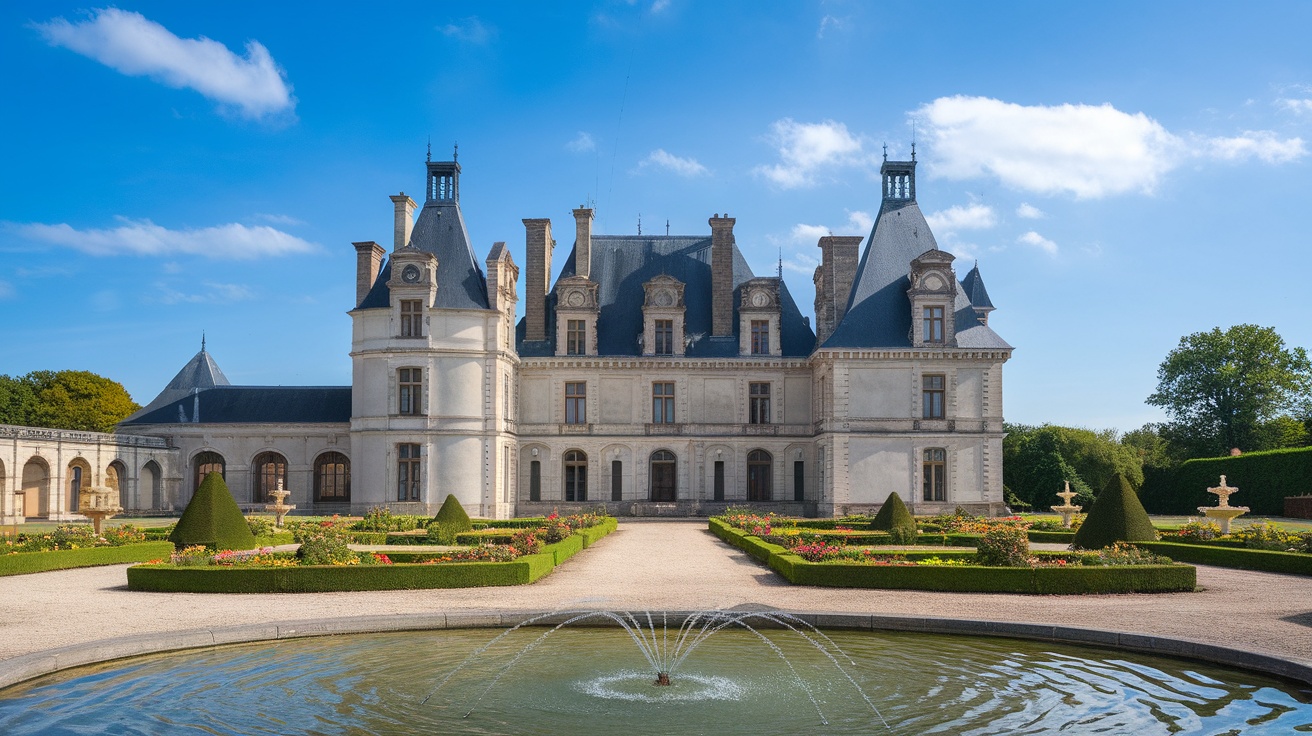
column 1293, row 563
column 23, row 563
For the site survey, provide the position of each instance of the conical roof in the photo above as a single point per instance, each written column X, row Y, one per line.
column 200, row 373
column 973, row 285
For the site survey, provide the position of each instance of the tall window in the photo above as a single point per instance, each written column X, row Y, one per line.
column 760, row 337
column 576, row 476
column 206, row 463
column 270, row 468
column 759, row 475
column 412, row 318
column 576, row 403
column 535, row 480
column 664, row 337
column 409, row 390
column 758, row 403
column 934, row 469
column 799, row 481
column 931, row 396
column 617, row 480
column 407, row 472
column 662, row 403
column 332, row 478
column 933, row 323
column 717, row 485
column 74, row 487
column 576, row 337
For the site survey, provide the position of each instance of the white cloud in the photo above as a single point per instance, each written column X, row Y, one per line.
column 830, row 22
column 957, row 217
column 1038, row 241
column 133, row 45
column 858, row 223
column 803, row 233
column 206, row 293
column 280, row 219
column 1296, row 106
column 582, row 143
column 801, row 263
column 145, row 238
column 470, row 30
column 1082, row 150
column 686, row 167
column 1029, row 212
column 660, row 6
column 806, row 149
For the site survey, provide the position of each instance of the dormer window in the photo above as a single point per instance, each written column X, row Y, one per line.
column 759, row 316
column 662, row 317
column 932, row 294
column 576, row 316
column 664, row 329
column 576, row 337
column 412, row 318
column 932, row 317
column 760, row 337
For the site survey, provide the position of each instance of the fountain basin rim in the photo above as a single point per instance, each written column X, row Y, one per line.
column 30, row 666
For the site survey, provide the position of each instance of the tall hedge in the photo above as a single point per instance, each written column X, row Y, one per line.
column 213, row 519
column 1264, row 479
column 896, row 519
column 1116, row 516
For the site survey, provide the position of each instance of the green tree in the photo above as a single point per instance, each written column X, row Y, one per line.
column 1221, row 388
column 17, row 401
column 78, row 400
column 1039, row 461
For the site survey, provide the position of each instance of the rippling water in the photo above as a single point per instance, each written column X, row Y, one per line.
column 595, row 681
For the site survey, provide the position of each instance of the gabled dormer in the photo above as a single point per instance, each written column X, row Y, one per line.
column 759, row 311
column 413, row 290
column 933, row 294
column 663, row 313
column 576, row 316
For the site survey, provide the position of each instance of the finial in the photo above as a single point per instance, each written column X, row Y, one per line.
column 640, row 223
column 667, row 227
column 455, row 155
column 430, row 150
column 202, row 341
column 780, row 272
column 913, row 140
column 885, row 152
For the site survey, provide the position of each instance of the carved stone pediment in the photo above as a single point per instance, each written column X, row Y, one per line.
column 760, row 294
column 663, row 292
column 576, row 293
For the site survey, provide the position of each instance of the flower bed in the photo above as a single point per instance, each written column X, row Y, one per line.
column 22, row 563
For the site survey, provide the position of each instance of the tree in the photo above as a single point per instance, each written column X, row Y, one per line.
column 78, row 400
column 1039, row 461
column 1221, row 389
column 17, row 401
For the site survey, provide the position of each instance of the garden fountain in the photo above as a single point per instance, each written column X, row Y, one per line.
column 1067, row 510
column 279, row 506
column 1223, row 512
column 97, row 503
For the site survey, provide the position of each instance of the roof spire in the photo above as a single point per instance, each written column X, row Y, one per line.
column 885, row 151
column 202, row 341
column 430, row 150
column 455, row 155
column 640, row 223
column 780, row 272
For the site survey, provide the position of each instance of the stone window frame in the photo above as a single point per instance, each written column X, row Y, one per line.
column 263, row 479
column 933, row 398
column 412, row 318
column 760, row 336
column 574, row 476
column 934, row 467
column 576, row 402
column 758, row 404
column 409, row 471
column 663, row 332
column 933, row 318
column 332, row 466
column 576, row 337
column 662, row 402
column 410, row 392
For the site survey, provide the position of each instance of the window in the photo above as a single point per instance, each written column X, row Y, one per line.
column 931, row 396
column 663, row 484
column 934, row 469
column 760, row 337
column 206, row 463
column 332, row 478
column 759, row 475
column 662, row 403
column 410, row 389
column 535, row 480
column 407, row 472
column 799, row 481
column 74, row 487
column 933, row 319
column 664, row 337
column 758, row 403
column 717, row 489
column 270, row 469
column 576, row 403
column 576, row 476
column 576, row 337
column 412, row 318
column 616, row 480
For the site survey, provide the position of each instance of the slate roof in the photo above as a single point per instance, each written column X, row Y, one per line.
column 973, row 285
column 621, row 264
column 878, row 310
column 201, row 372
column 440, row 230
column 253, row 405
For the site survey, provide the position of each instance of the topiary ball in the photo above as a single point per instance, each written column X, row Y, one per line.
column 1116, row 516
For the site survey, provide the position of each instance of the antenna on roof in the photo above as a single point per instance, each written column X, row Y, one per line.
column 885, row 151
column 913, row 140
column 455, row 156
column 640, row 223
column 430, row 150
column 781, row 263
column 667, row 227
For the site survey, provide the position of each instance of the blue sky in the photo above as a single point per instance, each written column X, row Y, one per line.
column 1126, row 173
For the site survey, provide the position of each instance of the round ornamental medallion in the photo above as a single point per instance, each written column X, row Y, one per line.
column 760, row 299
column 410, row 274
column 933, row 282
column 575, row 299
column 664, row 298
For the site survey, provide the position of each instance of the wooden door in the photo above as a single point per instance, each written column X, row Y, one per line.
column 662, row 482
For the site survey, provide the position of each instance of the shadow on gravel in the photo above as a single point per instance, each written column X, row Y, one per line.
column 1302, row 619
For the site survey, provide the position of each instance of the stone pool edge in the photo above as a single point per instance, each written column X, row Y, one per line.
column 30, row 666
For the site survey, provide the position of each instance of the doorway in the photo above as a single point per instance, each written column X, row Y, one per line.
column 663, row 466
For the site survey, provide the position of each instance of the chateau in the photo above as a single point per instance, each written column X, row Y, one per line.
column 658, row 375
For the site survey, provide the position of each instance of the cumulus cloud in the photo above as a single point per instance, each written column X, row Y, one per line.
column 280, row 219
column 131, row 44
column 1033, row 239
column 1083, row 150
column 582, row 143
column 686, row 167
column 806, row 149
column 1296, row 106
column 469, row 30
column 208, row 292
column 1028, row 211
column 958, row 217
column 858, row 223
column 145, row 238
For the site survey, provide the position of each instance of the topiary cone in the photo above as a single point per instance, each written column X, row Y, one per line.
column 893, row 515
column 213, row 519
column 1116, row 516
column 453, row 515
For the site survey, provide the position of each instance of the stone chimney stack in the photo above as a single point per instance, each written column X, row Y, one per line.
column 722, row 275
column 368, row 257
column 537, row 278
column 583, row 242
column 833, row 281
column 404, row 208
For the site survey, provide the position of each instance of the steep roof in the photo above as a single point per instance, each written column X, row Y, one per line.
column 201, row 372
column 973, row 285
column 252, row 405
column 621, row 264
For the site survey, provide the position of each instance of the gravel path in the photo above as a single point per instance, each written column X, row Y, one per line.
column 673, row 565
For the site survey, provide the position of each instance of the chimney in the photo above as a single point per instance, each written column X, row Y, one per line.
column 834, row 276
column 722, row 275
column 368, row 257
column 583, row 242
column 537, row 279
column 404, row 210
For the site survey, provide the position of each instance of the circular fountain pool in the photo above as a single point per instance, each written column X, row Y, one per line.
column 595, row 680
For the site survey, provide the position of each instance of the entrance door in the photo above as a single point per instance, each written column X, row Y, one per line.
column 759, row 472
column 662, row 476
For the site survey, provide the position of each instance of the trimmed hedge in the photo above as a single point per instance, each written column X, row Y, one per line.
column 1264, row 480
column 1293, row 563
column 528, row 522
column 593, row 533
column 1116, row 516
column 565, row 548
column 213, row 519
column 23, row 563
column 1052, row 537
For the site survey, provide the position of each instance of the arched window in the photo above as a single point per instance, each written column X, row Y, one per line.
column 576, row 476
column 663, row 485
column 205, row 463
column 150, row 478
column 267, row 471
column 79, row 477
column 760, row 466
column 933, row 472
column 332, row 478
column 36, row 488
column 116, row 479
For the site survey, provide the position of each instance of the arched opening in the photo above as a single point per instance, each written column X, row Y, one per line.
column 150, row 479
column 79, row 479
column 267, row 471
column 116, row 479
column 2, row 485
column 663, row 466
column 203, row 464
column 760, row 466
column 576, row 476
column 36, row 488
column 332, row 478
